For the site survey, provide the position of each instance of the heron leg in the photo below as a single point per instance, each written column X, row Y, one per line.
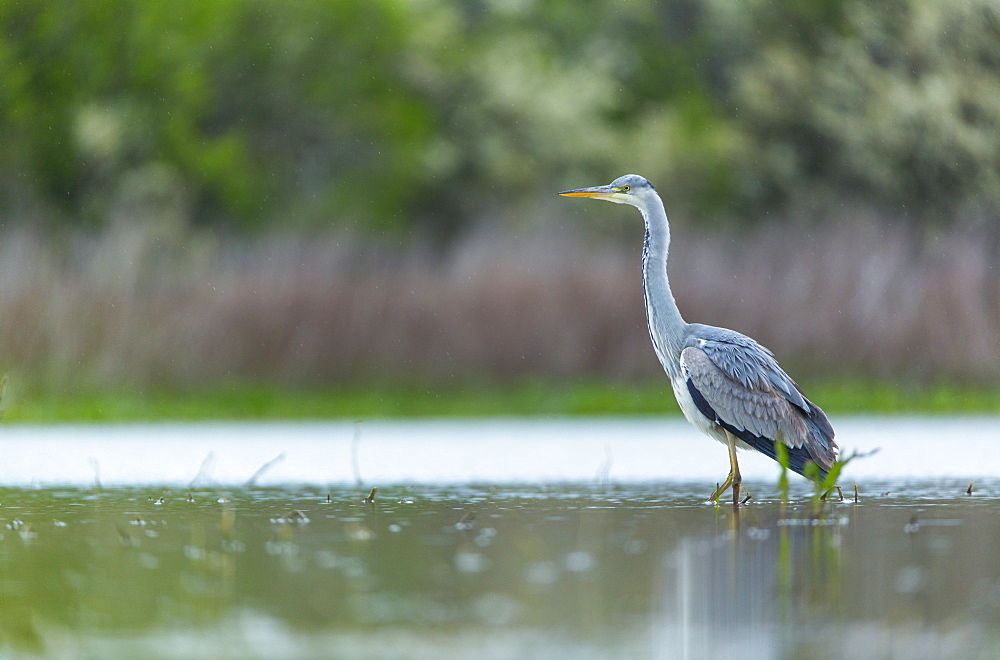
column 734, row 479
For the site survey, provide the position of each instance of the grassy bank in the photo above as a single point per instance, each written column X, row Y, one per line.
column 532, row 399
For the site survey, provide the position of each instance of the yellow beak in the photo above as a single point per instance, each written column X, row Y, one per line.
column 599, row 192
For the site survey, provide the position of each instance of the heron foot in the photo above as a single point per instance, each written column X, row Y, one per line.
column 732, row 481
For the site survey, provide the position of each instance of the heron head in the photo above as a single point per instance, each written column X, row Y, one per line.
column 629, row 189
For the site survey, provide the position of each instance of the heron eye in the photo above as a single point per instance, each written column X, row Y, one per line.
column 626, row 188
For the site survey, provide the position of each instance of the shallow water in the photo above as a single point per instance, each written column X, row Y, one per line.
column 491, row 539
column 578, row 570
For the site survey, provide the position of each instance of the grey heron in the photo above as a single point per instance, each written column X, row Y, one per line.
column 726, row 384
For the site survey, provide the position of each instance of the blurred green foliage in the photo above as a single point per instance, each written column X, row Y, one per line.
column 431, row 112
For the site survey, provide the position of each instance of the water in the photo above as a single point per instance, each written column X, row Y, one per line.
column 505, row 572
column 132, row 544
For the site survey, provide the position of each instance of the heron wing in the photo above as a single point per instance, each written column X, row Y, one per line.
column 748, row 362
column 738, row 384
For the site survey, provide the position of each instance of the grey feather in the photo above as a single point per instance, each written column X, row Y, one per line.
column 742, row 382
column 744, row 359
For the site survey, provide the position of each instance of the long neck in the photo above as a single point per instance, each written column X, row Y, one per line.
column 666, row 326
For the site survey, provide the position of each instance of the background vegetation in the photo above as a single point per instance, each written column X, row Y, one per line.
column 311, row 195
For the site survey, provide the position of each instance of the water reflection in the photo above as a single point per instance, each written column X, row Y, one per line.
column 836, row 581
column 643, row 571
column 746, row 589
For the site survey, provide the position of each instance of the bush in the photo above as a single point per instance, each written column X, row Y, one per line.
column 901, row 109
column 432, row 113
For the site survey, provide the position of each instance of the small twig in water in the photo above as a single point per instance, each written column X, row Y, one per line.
column 466, row 521
column 123, row 536
column 252, row 481
column 371, row 496
column 355, row 463
column 840, row 491
column 205, row 465
column 969, row 491
column 97, row 472
column 293, row 516
column 746, row 499
column 603, row 475
column 856, row 492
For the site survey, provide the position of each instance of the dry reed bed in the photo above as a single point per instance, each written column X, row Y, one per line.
column 133, row 307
